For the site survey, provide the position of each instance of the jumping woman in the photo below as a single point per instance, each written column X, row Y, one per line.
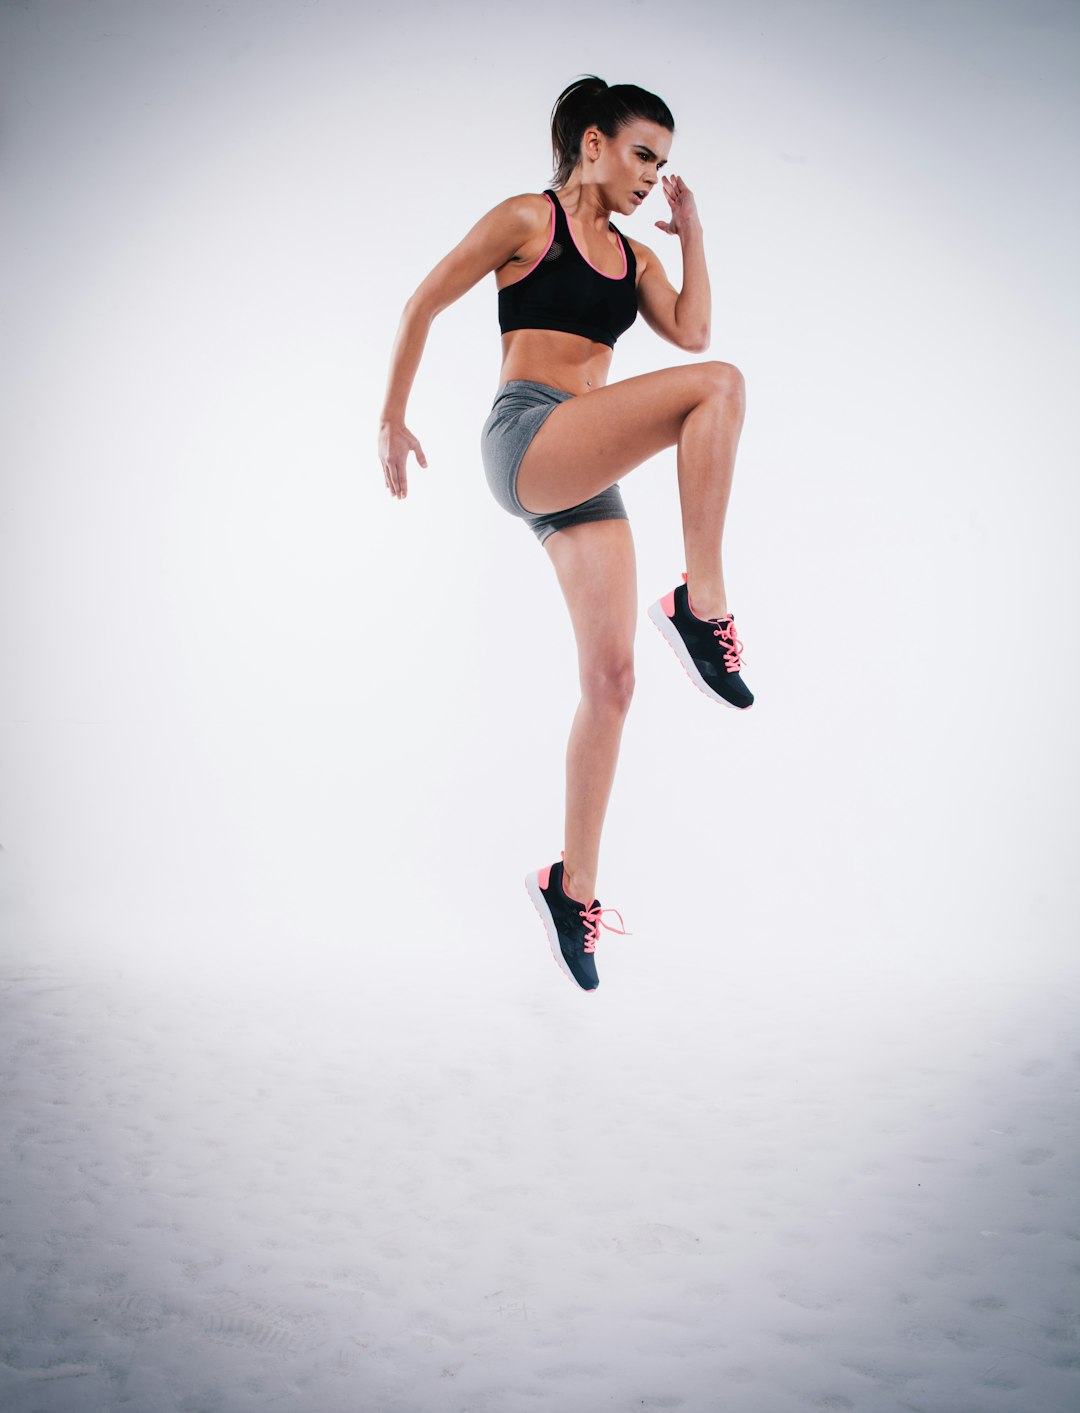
column 558, row 437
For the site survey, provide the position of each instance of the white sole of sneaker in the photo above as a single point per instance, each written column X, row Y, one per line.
column 532, row 886
column 679, row 648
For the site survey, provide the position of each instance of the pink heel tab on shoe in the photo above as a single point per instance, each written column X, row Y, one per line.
column 544, row 877
column 669, row 600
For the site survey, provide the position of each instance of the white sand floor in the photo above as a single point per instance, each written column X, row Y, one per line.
column 762, row 1188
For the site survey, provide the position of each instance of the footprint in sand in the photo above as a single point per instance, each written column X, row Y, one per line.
column 1034, row 1156
column 135, row 1312
column 646, row 1238
column 269, row 1329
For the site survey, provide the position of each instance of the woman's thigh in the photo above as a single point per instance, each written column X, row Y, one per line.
column 597, row 573
column 588, row 442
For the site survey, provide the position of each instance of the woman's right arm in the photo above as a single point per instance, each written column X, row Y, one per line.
column 491, row 243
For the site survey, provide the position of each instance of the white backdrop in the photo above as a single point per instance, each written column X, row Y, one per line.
column 253, row 706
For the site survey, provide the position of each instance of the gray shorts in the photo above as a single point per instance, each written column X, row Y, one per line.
column 515, row 418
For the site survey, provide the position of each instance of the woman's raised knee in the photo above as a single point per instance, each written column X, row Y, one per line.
column 723, row 379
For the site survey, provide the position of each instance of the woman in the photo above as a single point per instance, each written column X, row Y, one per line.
column 569, row 283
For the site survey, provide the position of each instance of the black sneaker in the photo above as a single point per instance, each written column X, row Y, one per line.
column 706, row 647
column 572, row 928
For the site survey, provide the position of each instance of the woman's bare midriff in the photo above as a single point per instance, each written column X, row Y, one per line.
column 568, row 361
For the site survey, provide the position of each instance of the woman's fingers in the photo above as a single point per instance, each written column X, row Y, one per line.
column 683, row 207
column 394, row 463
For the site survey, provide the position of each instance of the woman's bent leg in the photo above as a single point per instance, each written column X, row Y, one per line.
column 588, row 442
column 708, row 441
column 596, row 568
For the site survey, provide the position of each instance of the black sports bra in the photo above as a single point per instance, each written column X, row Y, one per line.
column 563, row 291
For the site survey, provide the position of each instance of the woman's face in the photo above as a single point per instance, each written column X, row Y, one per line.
column 627, row 166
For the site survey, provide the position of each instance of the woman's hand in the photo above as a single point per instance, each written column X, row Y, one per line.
column 683, row 206
column 395, row 443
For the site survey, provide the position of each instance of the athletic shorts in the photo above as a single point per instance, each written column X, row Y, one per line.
column 517, row 413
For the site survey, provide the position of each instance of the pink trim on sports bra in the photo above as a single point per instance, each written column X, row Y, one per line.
column 590, row 264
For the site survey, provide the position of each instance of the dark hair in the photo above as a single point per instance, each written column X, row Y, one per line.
column 590, row 103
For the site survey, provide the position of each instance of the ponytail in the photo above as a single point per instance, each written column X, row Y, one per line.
column 590, row 103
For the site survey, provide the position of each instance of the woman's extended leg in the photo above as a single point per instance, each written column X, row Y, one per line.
column 597, row 573
column 589, row 441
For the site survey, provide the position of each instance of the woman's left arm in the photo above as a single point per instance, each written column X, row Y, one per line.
column 683, row 317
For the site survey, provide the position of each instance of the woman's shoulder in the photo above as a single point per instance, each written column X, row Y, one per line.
column 522, row 218
column 529, row 206
column 642, row 253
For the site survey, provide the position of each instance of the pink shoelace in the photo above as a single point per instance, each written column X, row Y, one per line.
column 593, row 920
column 732, row 646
